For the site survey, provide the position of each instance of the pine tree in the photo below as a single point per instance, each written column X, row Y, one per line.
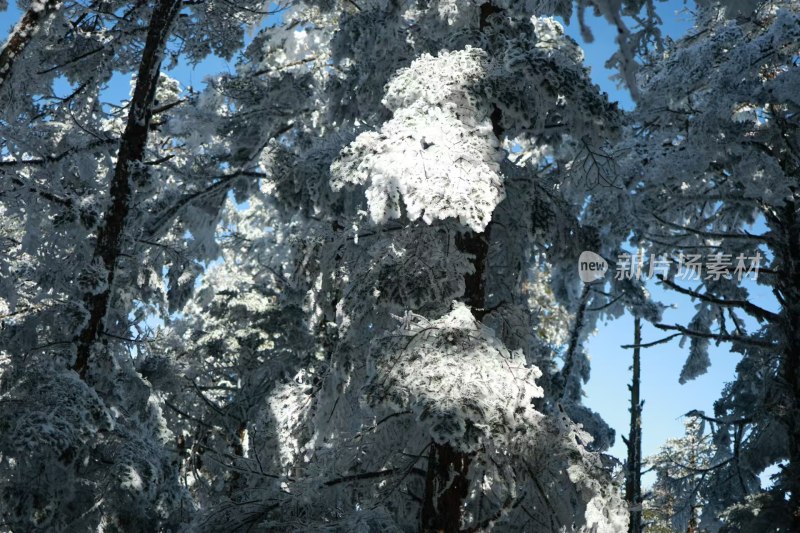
column 362, row 245
column 681, row 466
column 633, row 473
column 82, row 186
column 414, row 246
column 713, row 153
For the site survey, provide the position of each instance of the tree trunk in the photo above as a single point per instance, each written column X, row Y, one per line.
column 563, row 383
column 446, row 488
column 446, row 481
column 633, row 478
column 127, row 175
column 789, row 287
column 22, row 34
column 692, row 527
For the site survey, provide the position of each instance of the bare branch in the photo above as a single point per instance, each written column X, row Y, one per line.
column 716, row 336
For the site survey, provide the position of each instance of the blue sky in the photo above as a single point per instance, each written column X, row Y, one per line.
column 665, row 399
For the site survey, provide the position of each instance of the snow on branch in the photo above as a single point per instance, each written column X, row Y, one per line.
column 457, row 377
column 438, row 151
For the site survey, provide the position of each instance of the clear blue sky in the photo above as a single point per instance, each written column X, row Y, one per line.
column 665, row 399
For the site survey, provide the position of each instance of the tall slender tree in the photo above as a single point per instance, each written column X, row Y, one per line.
column 85, row 196
column 633, row 468
column 127, row 175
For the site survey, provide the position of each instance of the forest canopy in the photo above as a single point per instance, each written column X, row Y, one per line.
column 336, row 288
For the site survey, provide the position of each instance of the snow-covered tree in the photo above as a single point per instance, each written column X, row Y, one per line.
column 681, row 466
column 362, row 244
column 713, row 159
column 431, row 381
column 88, row 191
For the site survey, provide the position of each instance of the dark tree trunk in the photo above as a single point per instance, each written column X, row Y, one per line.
column 446, row 488
column 789, row 289
column 24, row 31
column 127, row 175
column 476, row 245
column 563, row 383
column 633, row 474
column 446, row 481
